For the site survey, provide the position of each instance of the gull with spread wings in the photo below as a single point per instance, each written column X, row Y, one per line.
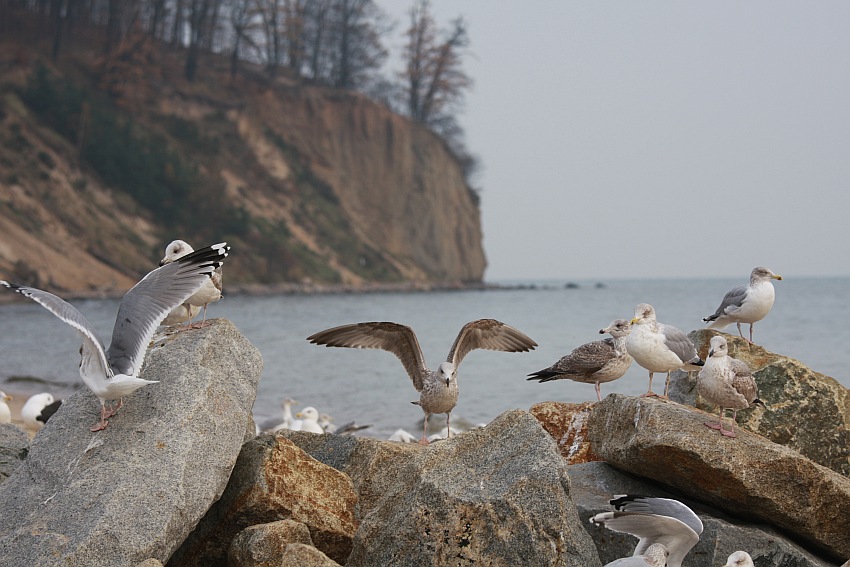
column 437, row 389
column 113, row 373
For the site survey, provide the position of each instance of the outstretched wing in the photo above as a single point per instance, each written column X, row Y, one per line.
column 661, row 506
column 70, row 315
column 144, row 307
column 392, row 337
column 488, row 334
column 676, row 536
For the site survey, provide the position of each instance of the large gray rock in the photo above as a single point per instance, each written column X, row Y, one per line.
column 594, row 484
column 805, row 410
column 493, row 496
column 302, row 555
column 14, row 445
column 748, row 476
column 275, row 480
column 135, row 490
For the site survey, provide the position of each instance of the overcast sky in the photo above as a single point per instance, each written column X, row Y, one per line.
column 658, row 139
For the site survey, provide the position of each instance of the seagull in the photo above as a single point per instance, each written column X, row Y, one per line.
column 746, row 303
column 402, row 436
column 739, row 559
column 209, row 292
column 309, row 417
column 326, row 423
column 438, row 388
column 726, row 382
column 48, row 411
column 5, row 412
column 659, row 347
column 180, row 314
column 273, row 425
column 596, row 362
column 113, row 373
column 33, row 407
column 655, row 556
column 654, row 520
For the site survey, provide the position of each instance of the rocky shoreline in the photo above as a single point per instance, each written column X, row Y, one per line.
column 179, row 478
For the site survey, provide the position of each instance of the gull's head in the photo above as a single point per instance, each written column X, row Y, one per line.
column 762, row 274
column 617, row 328
column 288, row 402
column 644, row 313
column 309, row 414
column 177, row 249
column 40, row 400
column 739, row 559
column 446, row 372
column 718, row 347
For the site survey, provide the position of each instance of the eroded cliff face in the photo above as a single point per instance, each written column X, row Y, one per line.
column 334, row 187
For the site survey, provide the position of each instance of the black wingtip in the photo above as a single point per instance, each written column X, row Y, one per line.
column 542, row 376
column 759, row 402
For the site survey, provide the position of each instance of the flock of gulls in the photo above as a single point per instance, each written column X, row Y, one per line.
column 188, row 280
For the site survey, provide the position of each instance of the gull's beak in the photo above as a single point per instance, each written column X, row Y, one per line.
column 298, row 415
column 448, row 379
column 633, row 321
column 776, row 277
column 7, row 397
column 162, row 262
column 710, row 353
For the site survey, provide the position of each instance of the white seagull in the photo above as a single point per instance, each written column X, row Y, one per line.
column 654, row 556
column 209, row 292
column 33, row 407
column 438, row 388
column 309, row 417
column 746, row 303
column 5, row 412
column 113, row 373
column 726, row 382
column 654, row 520
column 659, row 347
column 739, row 559
column 593, row 363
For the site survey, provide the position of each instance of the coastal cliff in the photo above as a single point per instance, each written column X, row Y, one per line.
column 104, row 160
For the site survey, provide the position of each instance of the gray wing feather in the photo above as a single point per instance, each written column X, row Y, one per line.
column 392, row 337
column 677, row 536
column 678, row 342
column 144, row 307
column 743, row 381
column 586, row 360
column 488, row 334
column 732, row 301
column 660, row 506
column 70, row 315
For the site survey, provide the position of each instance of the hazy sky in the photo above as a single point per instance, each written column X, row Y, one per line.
column 644, row 139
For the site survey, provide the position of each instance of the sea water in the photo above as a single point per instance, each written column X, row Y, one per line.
column 809, row 322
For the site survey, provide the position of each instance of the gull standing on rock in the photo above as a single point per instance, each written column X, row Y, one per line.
column 746, row 303
column 726, row 382
column 593, row 363
column 659, row 347
column 654, row 520
column 438, row 388
column 209, row 292
column 112, row 374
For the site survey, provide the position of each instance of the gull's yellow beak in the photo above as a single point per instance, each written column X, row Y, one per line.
column 633, row 321
column 7, row 397
column 777, row 277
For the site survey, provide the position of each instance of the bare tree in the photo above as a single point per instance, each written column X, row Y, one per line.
column 435, row 79
column 357, row 51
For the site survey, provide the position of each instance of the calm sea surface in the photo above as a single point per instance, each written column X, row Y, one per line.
column 808, row 322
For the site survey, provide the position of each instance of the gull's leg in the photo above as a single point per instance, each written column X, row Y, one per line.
column 424, row 440
column 741, row 331
column 751, row 331
column 650, row 392
column 731, row 432
column 718, row 425
column 112, row 411
column 598, row 394
column 666, row 386
column 100, row 425
column 448, row 425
